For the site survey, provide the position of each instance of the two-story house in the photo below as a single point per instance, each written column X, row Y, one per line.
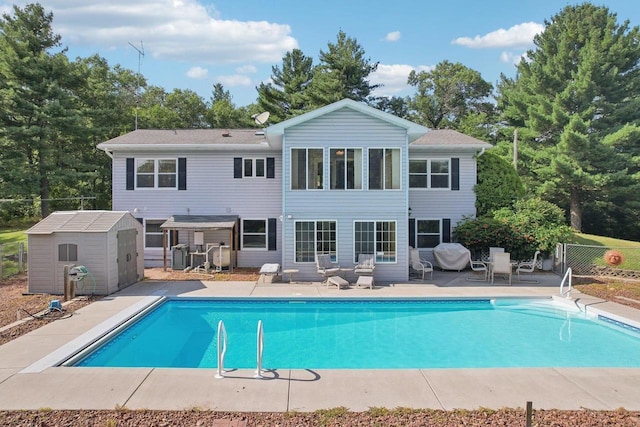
column 342, row 180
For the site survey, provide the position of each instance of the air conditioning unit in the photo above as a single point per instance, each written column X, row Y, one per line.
column 179, row 257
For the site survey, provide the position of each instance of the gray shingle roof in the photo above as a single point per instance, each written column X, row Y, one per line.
column 77, row 221
column 188, row 136
column 448, row 137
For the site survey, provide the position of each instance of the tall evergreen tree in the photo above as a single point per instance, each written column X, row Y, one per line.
column 578, row 85
column 451, row 96
column 284, row 97
column 342, row 73
column 39, row 108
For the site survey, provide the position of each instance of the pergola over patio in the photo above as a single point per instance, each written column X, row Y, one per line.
column 193, row 223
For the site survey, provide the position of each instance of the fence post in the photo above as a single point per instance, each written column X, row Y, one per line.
column 21, row 257
column 1, row 276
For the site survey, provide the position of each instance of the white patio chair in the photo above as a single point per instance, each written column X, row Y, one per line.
column 528, row 266
column 420, row 265
column 501, row 265
column 478, row 267
column 366, row 265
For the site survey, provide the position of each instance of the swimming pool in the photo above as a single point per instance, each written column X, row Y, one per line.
column 369, row 334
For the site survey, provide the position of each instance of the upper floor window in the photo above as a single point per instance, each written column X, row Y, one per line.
column 253, row 168
column 384, row 168
column 429, row 173
column 345, row 168
column 156, row 173
column 307, row 169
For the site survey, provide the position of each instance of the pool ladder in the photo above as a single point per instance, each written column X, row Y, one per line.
column 566, row 278
column 222, row 349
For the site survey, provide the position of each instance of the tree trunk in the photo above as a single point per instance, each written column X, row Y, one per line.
column 575, row 210
column 44, row 185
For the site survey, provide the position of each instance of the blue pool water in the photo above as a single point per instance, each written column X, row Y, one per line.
column 370, row 334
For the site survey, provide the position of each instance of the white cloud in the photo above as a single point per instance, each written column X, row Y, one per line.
column 247, row 69
column 197, row 73
column 234, row 80
column 394, row 78
column 393, row 36
column 517, row 36
column 169, row 29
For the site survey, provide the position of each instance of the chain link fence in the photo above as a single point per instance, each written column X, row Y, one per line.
column 587, row 260
column 13, row 259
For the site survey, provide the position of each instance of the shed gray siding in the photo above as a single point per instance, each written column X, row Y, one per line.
column 211, row 190
column 346, row 128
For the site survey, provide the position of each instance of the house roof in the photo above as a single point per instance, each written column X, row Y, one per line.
column 78, row 221
column 448, row 138
column 154, row 139
column 200, row 222
column 275, row 132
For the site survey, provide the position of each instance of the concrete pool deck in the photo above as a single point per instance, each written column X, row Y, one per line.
column 24, row 387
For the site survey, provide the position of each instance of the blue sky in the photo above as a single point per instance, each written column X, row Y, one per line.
column 193, row 44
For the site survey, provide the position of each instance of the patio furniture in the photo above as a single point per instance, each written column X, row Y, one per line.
column 478, row 267
column 494, row 250
column 290, row 272
column 365, row 281
column 337, row 281
column 451, row 256
column 420, row 265
column 366, row 265
column 325, row 266
column 268, row 272
column 501, row 265
column 528, row 266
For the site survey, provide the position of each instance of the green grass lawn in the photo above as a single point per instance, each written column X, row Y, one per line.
column 630, row 250
column 12, row 236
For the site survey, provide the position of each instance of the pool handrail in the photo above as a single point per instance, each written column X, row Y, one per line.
column 259, row 347
column 567, row 275
column 222, row 348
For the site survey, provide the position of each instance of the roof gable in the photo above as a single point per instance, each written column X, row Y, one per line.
column 78, row 221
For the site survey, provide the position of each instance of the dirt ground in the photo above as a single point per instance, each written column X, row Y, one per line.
column 14, row 303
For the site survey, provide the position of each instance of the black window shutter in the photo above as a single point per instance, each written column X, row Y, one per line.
column 446, row 230
column 271, row 167
column 237, row 167
column 271, row 245
column 412, row 232
column 182, row 173
column 455, row 174
column 130, row 173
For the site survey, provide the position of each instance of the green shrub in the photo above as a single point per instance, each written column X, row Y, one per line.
column 482, row 233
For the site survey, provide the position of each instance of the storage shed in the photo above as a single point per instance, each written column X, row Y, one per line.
column 108, row 244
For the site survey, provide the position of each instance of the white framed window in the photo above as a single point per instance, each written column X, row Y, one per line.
column 384, row 168
column 430, row 173
column 254, row 234
column 377, row 238
column 315, row 238
column 345, row 168
column 428, row 233
column 253, row 168
column 153, row 233
column 307, row 169
column 156, row 173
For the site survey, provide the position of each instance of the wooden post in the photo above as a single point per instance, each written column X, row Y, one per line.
column 66, row 283
column 529, row 413
column 21, row 257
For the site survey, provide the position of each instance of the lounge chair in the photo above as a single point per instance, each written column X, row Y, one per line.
column 528, row 266
column 420, row 265
column 501, row 265
column 326, row 267
column 366, row 265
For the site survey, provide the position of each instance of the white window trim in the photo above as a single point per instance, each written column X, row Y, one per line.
column 427, row 234
column 159, row 248
column 375, row 242
column 429, row 173
column 306, row 168
column 315, row 239
column 156, row 172
column 368, row 166
column 254, row 168
column 362, row 167
column 266, row 235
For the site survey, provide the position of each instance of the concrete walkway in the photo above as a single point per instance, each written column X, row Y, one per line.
column 28, row 382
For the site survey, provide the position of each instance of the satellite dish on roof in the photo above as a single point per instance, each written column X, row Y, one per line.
column 261, row 118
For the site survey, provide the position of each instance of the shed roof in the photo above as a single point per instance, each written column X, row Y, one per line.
column 200, row 222
column 78, row 221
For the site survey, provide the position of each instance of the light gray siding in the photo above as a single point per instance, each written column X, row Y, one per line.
column 211, row 190
column 346, row 129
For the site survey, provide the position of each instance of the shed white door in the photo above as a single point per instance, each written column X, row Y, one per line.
column 127, row 258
